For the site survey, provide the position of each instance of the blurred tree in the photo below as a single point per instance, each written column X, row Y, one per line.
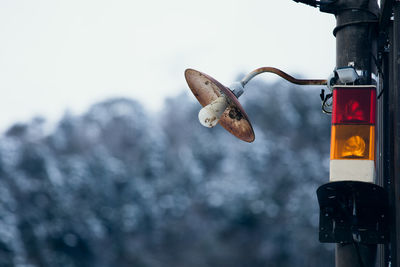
column 118, row 187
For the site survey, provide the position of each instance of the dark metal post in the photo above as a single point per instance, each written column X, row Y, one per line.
column 384, row 145
column 394, row 115
column 356, row 35
column 359, row 23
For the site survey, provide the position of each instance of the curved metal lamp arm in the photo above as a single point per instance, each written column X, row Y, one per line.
column 282, row 74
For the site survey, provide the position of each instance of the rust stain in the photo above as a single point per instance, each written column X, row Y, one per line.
column 235, row 114
column 210, row 121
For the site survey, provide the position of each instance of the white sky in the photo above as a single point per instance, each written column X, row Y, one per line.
column 57, row 55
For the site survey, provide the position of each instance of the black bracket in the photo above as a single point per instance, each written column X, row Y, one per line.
column 352, row 211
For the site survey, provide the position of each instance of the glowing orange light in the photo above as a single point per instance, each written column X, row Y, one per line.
column 354, row 147
column 353, row 142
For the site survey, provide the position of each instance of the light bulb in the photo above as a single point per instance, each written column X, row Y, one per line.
column 210, row 114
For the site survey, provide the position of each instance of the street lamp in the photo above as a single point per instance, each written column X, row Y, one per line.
column 221, row 105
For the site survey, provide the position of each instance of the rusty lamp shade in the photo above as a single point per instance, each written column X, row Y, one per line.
column 234, row 119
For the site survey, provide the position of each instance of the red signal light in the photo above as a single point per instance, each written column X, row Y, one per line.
column 354, row 106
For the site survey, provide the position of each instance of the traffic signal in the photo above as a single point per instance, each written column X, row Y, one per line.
column 352, row 207
column 353, row 134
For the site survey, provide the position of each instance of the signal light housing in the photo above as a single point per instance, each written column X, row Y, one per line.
column 353, row 133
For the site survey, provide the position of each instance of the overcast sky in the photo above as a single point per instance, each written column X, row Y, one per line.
column 57, row 55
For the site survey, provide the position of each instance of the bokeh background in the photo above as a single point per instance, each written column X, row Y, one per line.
column 104, row 163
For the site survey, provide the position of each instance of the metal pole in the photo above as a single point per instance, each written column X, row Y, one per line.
column 384, row 144
column 394, row 110
column 356, row 37
column 348, row 256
